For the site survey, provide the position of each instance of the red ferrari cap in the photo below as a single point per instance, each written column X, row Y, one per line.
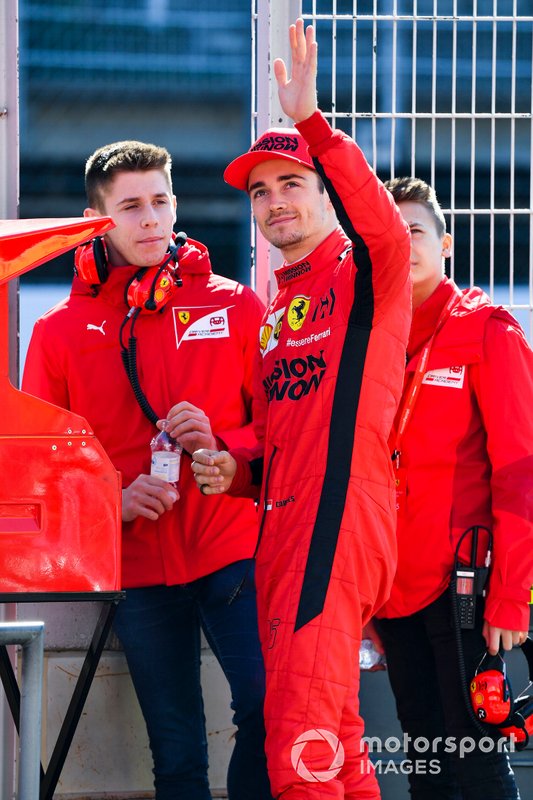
column 274, row 143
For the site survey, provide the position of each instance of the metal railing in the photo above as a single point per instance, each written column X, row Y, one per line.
column 30, row 635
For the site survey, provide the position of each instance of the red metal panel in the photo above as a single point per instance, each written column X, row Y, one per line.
column 60, row 496
column 59, row 515
column 27, row 243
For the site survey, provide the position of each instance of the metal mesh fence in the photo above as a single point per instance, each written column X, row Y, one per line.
column 443, row 89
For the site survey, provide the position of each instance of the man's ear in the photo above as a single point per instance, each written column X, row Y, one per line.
column 175, row 207
column 447, row 245
column 92, row 212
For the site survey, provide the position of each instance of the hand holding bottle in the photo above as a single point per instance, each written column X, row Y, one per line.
column 166, row 455
column 190, row 426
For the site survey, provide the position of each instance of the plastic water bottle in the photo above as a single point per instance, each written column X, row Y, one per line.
column 166, row 457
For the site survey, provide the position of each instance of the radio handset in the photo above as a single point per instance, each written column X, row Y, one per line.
column 470, row 580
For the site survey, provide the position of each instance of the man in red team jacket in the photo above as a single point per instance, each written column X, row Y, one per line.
column 328, row 381
column 182, row 556
column 463, row 446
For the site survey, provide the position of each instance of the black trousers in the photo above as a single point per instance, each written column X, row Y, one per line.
column 426, row 679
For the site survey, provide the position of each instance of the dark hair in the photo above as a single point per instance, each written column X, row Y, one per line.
column 416, row 190
column 127, row 156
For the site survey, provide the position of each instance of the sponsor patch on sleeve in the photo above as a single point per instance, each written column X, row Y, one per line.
column 270, row 331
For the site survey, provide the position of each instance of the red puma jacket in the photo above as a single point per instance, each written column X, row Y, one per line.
column 468, row 456
column 200, row 348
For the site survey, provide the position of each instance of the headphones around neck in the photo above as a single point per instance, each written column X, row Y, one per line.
column 492, row 698
column 149, row 289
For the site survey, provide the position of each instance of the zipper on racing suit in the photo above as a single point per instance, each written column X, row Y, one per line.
column 236, row 592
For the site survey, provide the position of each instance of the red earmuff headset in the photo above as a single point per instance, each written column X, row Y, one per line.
column 149, row 289
column 90, row 262
column 492, row 698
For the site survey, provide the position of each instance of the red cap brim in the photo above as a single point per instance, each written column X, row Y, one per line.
column 238, row 171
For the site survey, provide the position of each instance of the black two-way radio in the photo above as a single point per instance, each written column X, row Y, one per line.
column 469, row 580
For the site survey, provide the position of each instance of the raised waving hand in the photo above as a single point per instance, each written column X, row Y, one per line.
column 297, row 94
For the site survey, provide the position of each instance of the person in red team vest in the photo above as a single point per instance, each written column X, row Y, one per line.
column 463, row 453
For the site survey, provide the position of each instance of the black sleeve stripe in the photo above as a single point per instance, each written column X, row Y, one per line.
column 362, row 312
column 341, row 431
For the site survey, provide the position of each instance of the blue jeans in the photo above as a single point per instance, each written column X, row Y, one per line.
column 427, row 680
column 159, row 628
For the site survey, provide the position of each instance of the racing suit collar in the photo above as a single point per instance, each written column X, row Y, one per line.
column 330, row 249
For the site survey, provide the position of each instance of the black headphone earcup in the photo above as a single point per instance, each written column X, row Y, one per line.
column 100, row 259
column 519, row 725
column 524, row 706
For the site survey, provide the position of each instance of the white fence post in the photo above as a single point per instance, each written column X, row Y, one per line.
column 9, row 201
column 272, row 20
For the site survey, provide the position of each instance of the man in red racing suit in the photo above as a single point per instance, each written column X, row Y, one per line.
column 331, row 362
